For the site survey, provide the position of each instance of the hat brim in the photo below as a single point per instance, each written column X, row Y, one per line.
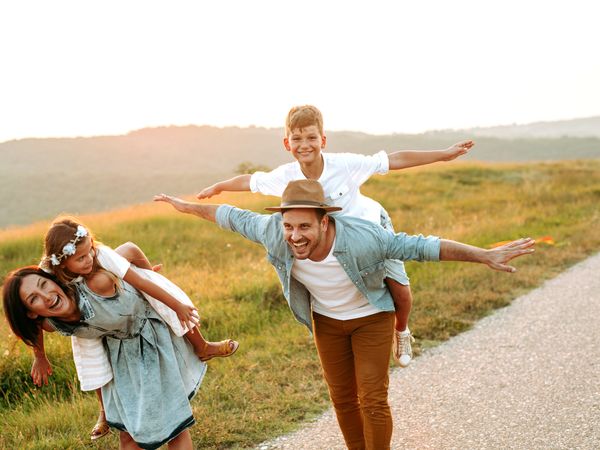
column 303, row 206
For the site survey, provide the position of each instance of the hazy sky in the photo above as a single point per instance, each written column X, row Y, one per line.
column 79, row 67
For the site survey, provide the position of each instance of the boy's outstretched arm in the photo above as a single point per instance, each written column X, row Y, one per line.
column 411, row 158
column 239, row 183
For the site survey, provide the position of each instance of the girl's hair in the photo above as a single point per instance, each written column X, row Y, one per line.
column 21, row 324
column 60, row 233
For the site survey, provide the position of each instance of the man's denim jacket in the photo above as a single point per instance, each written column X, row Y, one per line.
column 361, row 247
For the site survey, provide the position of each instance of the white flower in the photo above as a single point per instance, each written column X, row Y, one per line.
column 81, row 231
column 69, row 249
column 54, row 260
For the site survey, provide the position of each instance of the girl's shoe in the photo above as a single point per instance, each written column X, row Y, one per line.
column 101, row 428
column 226, row 348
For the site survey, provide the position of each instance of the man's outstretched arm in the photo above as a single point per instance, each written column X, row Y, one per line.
column 249, row 224
column 496, row 258
column 431, row 248
column 207, row 212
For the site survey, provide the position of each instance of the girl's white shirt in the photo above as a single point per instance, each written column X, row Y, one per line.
column 91, row 361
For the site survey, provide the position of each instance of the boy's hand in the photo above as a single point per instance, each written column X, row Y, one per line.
column 458, row 149
column 499, row 256
column 208, row 192
column 188, row 315
column 40, row 370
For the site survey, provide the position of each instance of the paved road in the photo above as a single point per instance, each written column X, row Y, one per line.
column 527, row 377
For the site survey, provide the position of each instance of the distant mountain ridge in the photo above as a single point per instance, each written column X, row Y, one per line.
column 582, row 128
column 40, row 178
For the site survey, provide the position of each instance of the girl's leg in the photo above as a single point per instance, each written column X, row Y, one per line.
column 206, row 350
column 183, row 441
column 126, row 442
column 134, row 255
column 101, row 428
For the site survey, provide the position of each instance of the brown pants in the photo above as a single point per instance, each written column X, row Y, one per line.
column 355, row 356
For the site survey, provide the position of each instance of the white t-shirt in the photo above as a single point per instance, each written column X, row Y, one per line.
column 332, row 292
column 112, row 261
column 343, row 174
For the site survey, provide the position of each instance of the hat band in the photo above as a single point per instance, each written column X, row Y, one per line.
column 304, row 203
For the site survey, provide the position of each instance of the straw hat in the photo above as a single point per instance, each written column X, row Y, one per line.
column 303, row 194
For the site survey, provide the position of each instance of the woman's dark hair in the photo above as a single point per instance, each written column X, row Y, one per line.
column 21, row 324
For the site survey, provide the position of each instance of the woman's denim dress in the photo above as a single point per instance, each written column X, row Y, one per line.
column 155, row 372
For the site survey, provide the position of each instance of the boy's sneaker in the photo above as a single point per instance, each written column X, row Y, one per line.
column 401, row 347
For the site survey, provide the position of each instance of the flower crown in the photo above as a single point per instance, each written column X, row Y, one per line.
column 69, row 248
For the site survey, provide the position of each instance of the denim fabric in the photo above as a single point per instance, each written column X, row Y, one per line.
column 155, row 372
column 361, row 247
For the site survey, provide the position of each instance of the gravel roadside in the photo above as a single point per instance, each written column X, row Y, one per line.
column 526, row 377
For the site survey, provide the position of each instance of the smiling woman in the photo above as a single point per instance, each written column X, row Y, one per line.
column 169, row 373
column 42, row 297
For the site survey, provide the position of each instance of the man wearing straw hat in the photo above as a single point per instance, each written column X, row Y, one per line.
column 332, row 273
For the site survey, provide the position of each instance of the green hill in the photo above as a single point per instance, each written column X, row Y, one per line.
column 40, row 178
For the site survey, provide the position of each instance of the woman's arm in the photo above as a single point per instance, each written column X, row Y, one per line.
column 41, row 368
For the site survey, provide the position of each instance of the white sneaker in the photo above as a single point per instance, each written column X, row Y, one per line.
column 401, row 347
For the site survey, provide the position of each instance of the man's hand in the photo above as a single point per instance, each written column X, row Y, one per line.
column 177, row 203
column 497, row 258
column 202, row 210
column 40, row 370
column 456, row 150
column 208, row 192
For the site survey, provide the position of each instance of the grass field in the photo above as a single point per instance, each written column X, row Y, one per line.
column 273, row 383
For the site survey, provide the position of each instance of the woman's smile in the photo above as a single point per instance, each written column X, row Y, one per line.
column 43, row 297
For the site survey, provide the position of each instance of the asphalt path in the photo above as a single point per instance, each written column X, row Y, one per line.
column 526, row 377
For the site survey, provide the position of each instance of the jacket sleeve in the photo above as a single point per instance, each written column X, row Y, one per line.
column 251, row 225
column 411, row 247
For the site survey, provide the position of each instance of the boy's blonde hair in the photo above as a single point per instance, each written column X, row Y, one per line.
column 59, row 234
column 303, row 116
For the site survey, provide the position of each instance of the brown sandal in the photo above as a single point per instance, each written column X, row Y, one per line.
column 225, row 349
column 101, row 428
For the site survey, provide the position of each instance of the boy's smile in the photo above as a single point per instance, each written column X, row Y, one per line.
column 306, row 144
